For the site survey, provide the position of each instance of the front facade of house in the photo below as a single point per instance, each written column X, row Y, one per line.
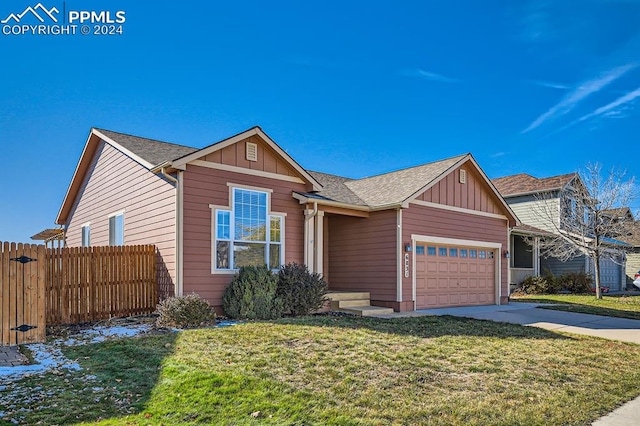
column 430, row 236
column 544, row 207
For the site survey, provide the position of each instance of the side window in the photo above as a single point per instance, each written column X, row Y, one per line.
column 116, row 229
column 86, row 235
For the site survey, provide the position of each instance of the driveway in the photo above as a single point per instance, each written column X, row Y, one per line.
column 626, row 330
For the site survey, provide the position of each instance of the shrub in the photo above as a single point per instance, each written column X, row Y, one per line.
column 184, row 312
column 539, row 285
column 576, row 282
column 252, row 294
column 301, row 291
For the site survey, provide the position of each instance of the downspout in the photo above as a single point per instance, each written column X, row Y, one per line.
column 163, row 172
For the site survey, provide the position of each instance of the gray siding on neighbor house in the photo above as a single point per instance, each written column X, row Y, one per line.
column 558, row 267
column 533, row 212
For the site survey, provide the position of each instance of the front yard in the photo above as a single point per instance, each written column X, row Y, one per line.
column 336, row 370
column 612, row 306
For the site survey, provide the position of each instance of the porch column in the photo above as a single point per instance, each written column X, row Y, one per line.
column 309, row 238
column 536, row 256
column 319, row 246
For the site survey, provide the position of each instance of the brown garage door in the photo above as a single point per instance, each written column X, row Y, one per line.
column 448, row 275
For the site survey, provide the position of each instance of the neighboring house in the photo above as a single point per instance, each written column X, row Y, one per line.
column 632, row 237
column 544, row 206
column 428, row 236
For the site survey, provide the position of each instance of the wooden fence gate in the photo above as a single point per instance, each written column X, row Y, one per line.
column 42, row 286
column 22, row 293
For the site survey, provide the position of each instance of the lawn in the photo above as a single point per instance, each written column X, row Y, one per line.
column 338, row 370
column 613, row 306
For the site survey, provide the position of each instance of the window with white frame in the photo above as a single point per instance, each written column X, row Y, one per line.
column 246, row 234
column 86, row 235
column 116, row 229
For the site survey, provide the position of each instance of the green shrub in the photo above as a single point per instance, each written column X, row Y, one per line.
column 252, row 294
column 576, row 282
column 301, row 291
column 539, row 285
column 184, row 312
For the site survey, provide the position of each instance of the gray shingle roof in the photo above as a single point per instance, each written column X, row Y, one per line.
column 334, row 188
column 150, row 150
column 386, row 189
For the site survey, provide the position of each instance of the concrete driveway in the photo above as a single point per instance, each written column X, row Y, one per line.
column 528, row 314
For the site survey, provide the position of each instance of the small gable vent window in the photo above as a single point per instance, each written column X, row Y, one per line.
column 463, row 176
column 252, row 151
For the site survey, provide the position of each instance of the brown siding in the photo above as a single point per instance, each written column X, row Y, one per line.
column 115, row 182
column 448, row 224
column 204, row 186
column 268, row 159
column 473, row 195
column 362, row 254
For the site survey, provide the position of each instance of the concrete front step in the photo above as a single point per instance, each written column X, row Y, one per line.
column 339, row 304
column 348, row 295
column 366, row 311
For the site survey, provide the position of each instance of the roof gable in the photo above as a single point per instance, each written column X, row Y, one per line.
column 523, row 184
column 399, row 186
column 231, row 152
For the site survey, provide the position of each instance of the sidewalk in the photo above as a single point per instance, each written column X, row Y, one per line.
column 11, row 357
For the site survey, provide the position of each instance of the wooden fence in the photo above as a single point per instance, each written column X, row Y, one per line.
column 70, row 286
column 22, row 293
column 93, row 283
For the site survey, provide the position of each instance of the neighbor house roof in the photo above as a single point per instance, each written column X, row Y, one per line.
column 522, row 184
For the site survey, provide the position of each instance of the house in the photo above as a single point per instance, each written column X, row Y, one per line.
column 632, row 237
column 428, row 236
column 546, row 206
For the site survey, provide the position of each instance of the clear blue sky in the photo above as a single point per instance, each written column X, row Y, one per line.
column 352, row 88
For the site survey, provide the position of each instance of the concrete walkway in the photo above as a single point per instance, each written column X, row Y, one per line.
column 527, row 314
column 10, row 356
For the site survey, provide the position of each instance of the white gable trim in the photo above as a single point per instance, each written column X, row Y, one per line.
column 458, row 209
column 256, row 131
column 236, row 169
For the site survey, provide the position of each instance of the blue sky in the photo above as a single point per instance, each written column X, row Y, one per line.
column 350, row 88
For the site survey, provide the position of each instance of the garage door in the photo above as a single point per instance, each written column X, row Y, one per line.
column 448, row 275
column 610, row 274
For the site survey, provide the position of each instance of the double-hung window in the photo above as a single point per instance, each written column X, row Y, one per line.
column 247, row 234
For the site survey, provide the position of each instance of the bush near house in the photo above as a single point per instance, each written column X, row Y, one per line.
column 184, row 312
column 574, row 282
column 252, row 294
column 257, row 293
column 301, row 291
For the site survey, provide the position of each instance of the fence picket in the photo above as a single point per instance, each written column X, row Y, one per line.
column 71, row 285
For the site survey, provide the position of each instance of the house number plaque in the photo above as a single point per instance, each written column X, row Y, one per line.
column 406, row 265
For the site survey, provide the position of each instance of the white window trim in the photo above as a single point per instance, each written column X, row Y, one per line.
column 114, row 214
column 229, row 208
column 85, row 225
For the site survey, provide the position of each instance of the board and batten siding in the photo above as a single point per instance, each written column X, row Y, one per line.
column 436, row 222
column 114, row 182
column 362, row 254
column 205, row 186
column 474, row 194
